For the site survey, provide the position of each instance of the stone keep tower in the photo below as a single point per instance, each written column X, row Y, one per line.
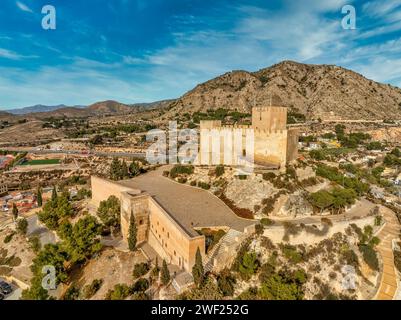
column 274, row 143
column 271, row 135
column 138, row 206
column 269, row 118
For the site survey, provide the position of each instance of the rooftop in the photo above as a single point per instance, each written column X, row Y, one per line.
column 191, row 207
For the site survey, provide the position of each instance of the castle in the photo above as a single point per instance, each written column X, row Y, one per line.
column 274, row 145
column 168, row 215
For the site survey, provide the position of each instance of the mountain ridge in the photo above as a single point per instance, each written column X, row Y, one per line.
column 317, row 91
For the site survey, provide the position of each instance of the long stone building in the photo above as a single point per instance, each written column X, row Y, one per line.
column 168, row 214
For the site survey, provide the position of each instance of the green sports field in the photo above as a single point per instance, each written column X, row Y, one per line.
column 41, row 162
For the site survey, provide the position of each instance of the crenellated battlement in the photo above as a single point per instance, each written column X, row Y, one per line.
column 274, row 143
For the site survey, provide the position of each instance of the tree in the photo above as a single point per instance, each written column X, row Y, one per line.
column 396, row 152
column 22, row 226
column 156, row 269
column 35, row 291
column 54, row 195
column 278, row 288
column 58, row 208
column 51, row 255
column 140, row 269
column 15, row 212
column 124, row 170
column 109, row 212
column 226, row 282
column 132, row 233
column 249, row 265
column 81, row 241
column 39, row 198
column 134, row 169
column 115, row 170
column 120, row 292
column 165, row 274
column 209, row 291
column 197, row 269
column 322, row 199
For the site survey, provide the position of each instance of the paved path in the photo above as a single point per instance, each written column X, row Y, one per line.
column 360, row 210
column 391, row 230
column 189, row 206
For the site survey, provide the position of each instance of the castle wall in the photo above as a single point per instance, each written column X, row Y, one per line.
column 170, row 240
column 154, row 224
column 292, row 145
column 210, row 124
column 102, row 189
column 271, row 147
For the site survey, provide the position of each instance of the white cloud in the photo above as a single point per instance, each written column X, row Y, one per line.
column 380, row 8
column 382, row 69
column 23, row 6
column 8, row 54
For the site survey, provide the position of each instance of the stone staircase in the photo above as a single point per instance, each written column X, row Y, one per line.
column 223, row 252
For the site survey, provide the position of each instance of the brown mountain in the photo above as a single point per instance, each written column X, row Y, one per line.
column 109, row 107
column 67, row 112
column 318, row 91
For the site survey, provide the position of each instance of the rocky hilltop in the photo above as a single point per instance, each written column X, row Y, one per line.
column 317, row 91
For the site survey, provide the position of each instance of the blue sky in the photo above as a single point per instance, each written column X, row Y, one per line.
column 146, row 50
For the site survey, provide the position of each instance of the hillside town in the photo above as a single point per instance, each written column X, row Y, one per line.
column 327, row 213
column 200, row 158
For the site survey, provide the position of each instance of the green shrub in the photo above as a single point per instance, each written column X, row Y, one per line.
column 193, row 183
column 226, row 282
column 90, row 289
column 119, row 292
column 267, row 222
column 219, row 170
column 351, row 258
column 182, row 180
column 22, row 226
column 141, row 285
column 249, row 265
column 291, row 253
column 35, row 244
column 203, row 185
column 9, row 237
column 140, row 269
column 72, row 293
column 369, row 256
column 181, row 169
column 378, row 221
column 269, row 176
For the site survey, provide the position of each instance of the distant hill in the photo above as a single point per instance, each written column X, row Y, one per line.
column 109, row 107
column 39, row 108
column 317, row 91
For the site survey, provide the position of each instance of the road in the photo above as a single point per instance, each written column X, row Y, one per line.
column 35, row 229
column 79, row 152
column 391, row 231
